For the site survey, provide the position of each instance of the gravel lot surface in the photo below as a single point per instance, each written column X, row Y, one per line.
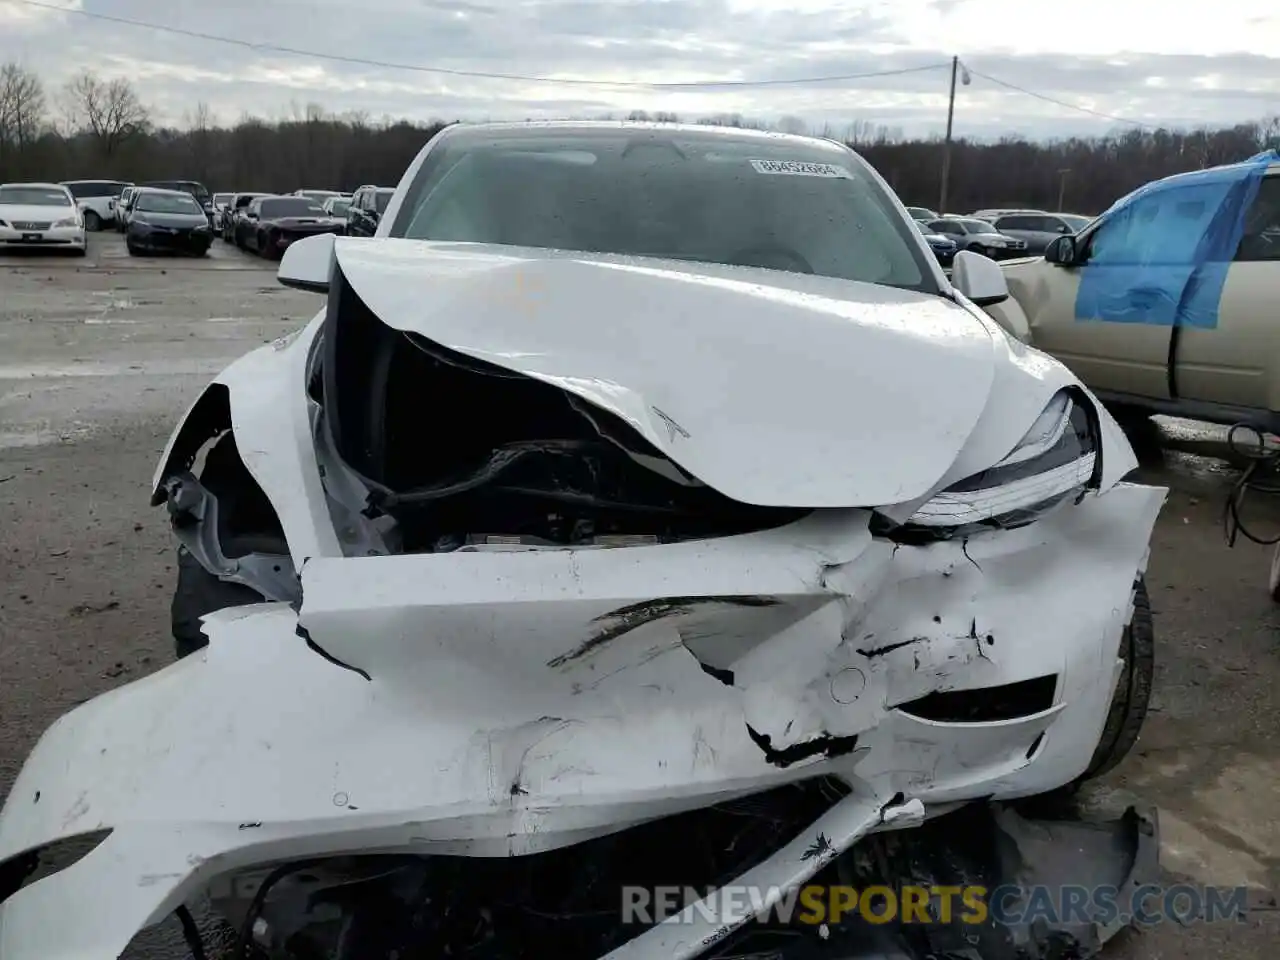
column 99, row 357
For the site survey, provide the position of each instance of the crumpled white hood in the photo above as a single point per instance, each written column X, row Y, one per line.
column 866, row 397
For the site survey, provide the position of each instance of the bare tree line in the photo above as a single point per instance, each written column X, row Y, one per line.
column 93, row 127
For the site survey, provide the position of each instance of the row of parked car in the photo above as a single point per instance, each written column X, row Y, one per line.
column 998, row 234
column 266, row 223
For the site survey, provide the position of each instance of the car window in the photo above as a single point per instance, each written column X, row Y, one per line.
column 699, row 197
column 1164, row 226
column 91, row 189
column 290, row 207
column 947, row 227
column 1017, row 222
column 35, row 196
column 167, row 203
column 1075, row 224
column 1261, row 238
column 976, row 226
column 381, row 198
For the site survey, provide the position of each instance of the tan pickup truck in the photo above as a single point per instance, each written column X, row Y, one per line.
column 1223, row 369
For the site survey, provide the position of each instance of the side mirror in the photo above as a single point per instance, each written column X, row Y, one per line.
column 979, row 278
column 307, row 263
column 1061, row 251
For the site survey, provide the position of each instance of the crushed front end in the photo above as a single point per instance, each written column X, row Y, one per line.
column 537, row 658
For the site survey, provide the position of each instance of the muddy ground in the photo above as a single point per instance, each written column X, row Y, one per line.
column 98, row 357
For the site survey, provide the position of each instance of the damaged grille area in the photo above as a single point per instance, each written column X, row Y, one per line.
column 1010, row 701
column 457, row 451
column 564, row 903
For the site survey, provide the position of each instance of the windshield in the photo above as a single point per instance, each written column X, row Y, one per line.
column 1075, row 223
column 88, row 189
column 35, row 196
column 318, row 195
column 381, row 199
column 290, row 207
column 167, row 203
column 976, row 226
column 339, row 207
column 786, row 204
column 221, row 198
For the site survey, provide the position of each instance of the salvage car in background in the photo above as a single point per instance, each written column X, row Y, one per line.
column 365, row 212
column 336, row 208
column 319, row 196
column 235, row 210
column 944, row 248
column 642, row 497
column 978, row 236
column 167, row 221
column 1039, row 229
column 194, row 187
column 922, row 214
column 40, row 216
column 120, row 209
column 270, row 224
column 220, row 201
column 1118, row 305
column 96, row 200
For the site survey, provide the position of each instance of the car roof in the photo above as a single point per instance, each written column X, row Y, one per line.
column 163, row 190
column 67, row 183
column 34, row 183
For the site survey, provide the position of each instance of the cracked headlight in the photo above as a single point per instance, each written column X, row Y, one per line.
column 1055, row 462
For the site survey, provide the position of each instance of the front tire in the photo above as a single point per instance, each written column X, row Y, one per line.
column 92, row 222
column 1133, row 691
column 197, row 593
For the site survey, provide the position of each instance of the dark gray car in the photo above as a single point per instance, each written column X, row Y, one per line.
column 1039, row 229
column 979, row 236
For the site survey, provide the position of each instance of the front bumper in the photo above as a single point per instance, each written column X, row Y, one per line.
column 179, row 241
column 505, row 703
column 64, row 237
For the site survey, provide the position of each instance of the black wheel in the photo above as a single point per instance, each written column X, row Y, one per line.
column 1133, row 691
column 199, row 592
column 133, row 249
column 92, row 221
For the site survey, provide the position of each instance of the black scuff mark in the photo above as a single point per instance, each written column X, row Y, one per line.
column 721, row 674
column 889, row 648
column 250, row 825
column 315, row 647
column 964, row 548
column 821, row 847
column 978, row 640
column 625, row 619
column 518, row 791
column 823, row 746
column 673, row 428
column 716, row 936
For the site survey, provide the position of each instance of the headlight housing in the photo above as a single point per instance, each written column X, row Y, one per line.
column 1056, row 462
column 65, row 222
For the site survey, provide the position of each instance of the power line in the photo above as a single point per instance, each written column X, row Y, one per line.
column 477, row 74
column 1054, row 100
column 566, row 81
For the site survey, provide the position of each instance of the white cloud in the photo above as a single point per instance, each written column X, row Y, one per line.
column 1143, row 59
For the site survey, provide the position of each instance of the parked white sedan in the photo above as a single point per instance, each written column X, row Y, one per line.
column 40, row 215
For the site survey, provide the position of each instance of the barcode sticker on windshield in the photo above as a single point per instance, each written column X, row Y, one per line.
column 799, row 168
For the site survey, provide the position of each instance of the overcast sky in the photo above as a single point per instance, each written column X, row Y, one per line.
column 1147, row 60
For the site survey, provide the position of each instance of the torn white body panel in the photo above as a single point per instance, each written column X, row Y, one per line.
column 766, row 528
column 507, row 732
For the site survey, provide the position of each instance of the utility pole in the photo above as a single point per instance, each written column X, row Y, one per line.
column 1062, row 188
column 946, row 144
